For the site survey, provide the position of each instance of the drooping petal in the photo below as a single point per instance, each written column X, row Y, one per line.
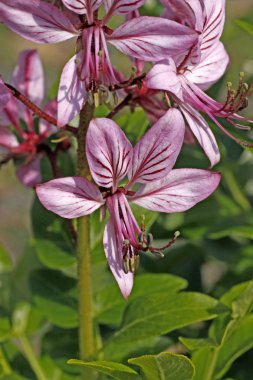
column 45, row 128
column 121, row 7
column 108, row 151
column 180, row 190
column 156, row 153
column 30, row 174
column 80, row 6
column 152, row 38
column 28, row 76
column 211, row 68
column 70, row 197
column 7, row 138
column 164, row 77
column 113, row 251
column 72, row 94
column 36, row 20
column 203, row 133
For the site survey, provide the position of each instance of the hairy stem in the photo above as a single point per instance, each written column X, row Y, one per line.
column 28, row 352
column 87, row 343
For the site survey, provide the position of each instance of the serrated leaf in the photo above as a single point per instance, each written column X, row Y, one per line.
column 164, row 366
column 115, row 370
column 158, row 314
column 110, row 305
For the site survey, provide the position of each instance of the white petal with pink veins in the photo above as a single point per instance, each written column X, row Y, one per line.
column 180, row 190
column 70, row 197
column 108, row 151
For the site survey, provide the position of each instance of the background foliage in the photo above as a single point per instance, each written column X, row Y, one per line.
column 195, row 302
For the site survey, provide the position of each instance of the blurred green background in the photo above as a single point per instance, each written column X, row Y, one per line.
column 15, row 200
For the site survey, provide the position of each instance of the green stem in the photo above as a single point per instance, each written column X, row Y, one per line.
column 212, row 364
column 31, row 357
column 87, row 343
column 4, row 363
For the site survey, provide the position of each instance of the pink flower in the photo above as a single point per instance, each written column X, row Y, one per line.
column 111, row 158
column 90, row 70
column 186, row 78
column 28, row 78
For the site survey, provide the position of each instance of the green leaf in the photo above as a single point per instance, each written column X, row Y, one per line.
column 5, row 329
column 156, row 314
column 244, row 303
column 239, row 231
column 55, row 256
column 110, row 305
column 20, row 318
column 164, row 366
column 55, row 297
column 195, row 344
column 248, row 27
column 115, row 370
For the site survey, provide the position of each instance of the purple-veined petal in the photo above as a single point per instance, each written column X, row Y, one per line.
column 72, row 94
column 121, row 7
column 29, row 174
column 164, row 77
column 203, row 133
column 212, row 66
column 108, row 152
column 36, row 20
column 80, row 6
column 214, row 22
column 28, row 76
column 156, row 152
column 45, row 128
column 180, row 190
column 5, row 95
column 152, row 38
column 7, row 138
column 113, row 251
column 180, row 11
column 70, row 197
column 8, row 106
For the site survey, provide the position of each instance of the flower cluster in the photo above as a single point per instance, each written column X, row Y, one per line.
column 186, row 56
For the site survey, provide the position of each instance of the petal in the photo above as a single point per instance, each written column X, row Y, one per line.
column 152, row 38
column 8, row 106
column 180, row 190
column 214, row 17
column 203, row 133
column 80, row 6
column 164, row 77
column 36, row 20
column 28, row 76
column 180, row 11
column 46, row 128
column 72, row 94
column 5, row 95
column 156, row 153
column 70, row 197
column 210, row 69
column 113, row 251
column 121, row 7
column 108, row 151
column 7, row 138
column 30, row 174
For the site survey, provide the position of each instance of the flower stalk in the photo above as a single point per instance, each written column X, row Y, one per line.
column 87, row 342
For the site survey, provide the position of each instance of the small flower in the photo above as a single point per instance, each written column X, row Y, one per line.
column 111, row 158
column 25, row 144
column 90, row 70
column 186, row 78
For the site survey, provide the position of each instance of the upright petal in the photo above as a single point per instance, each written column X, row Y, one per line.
column 203, row 133
column 108, row 151
column 121, row 7
column 72, row 94
column 180, row 190
column 70, row 197
column 156, row 153
column 80, row 6
column 214, row 22
column 30, row 174
column 113, row 251
column 152, row 38
column 28, row 76
column 210, row 69
column 7, row 138
column 36, row 20
column 164, row 77
column 180, row 11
